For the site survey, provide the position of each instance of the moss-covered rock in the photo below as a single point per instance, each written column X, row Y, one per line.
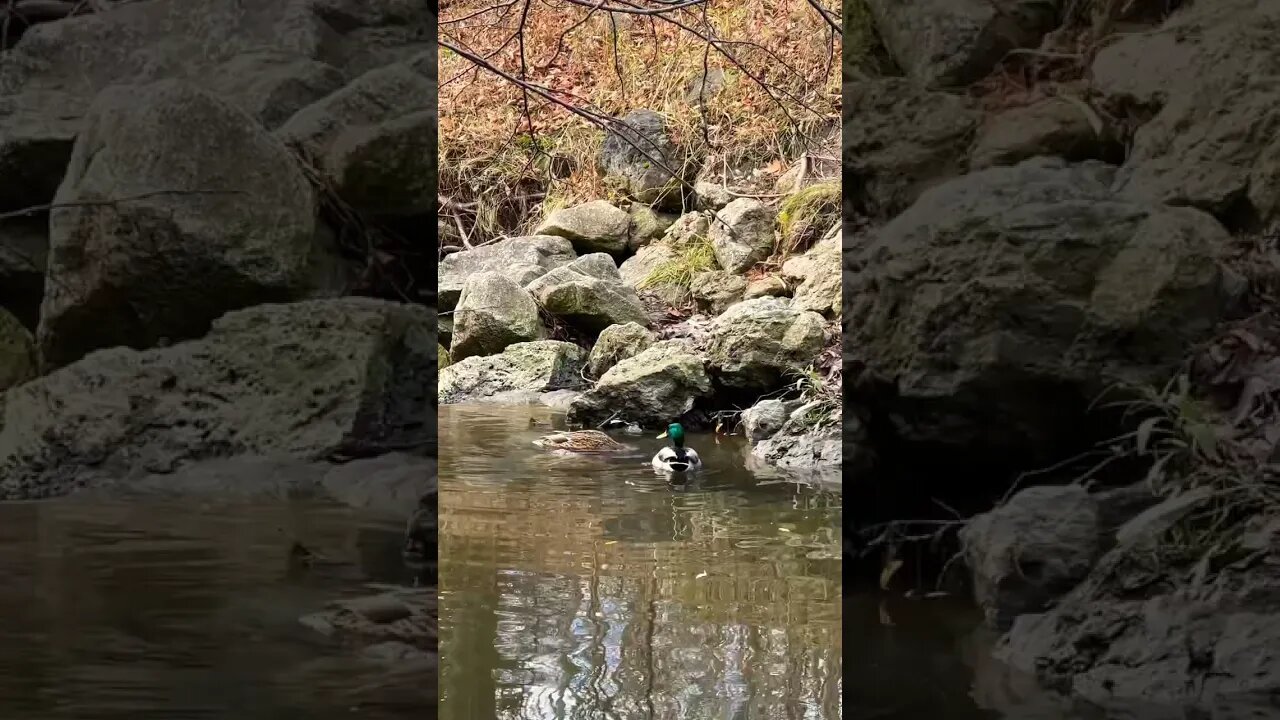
column 617, row 343
column 493, row 312
column 592, row 227
column 640, row 154
column 168, row 264
column 757, row 343
column 1003, row 302
column 523, row 259
column 647, row 225
column 653, row 388
column 589, row 294
column 375, row 139
column 809, row 439
column 742, row 234
column 306, row 380
column 529, row 368
column 715, row 290
column 665, row 269
column 804, row 216
column 817, row 276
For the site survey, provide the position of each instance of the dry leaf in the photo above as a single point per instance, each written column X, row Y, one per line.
column 887, row 573
column 1144, row 433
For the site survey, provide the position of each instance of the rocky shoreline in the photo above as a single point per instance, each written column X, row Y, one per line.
column 639, row 314
column 1105, row 229
column 215, row 271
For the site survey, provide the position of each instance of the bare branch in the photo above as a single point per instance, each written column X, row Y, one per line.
column 47, row 207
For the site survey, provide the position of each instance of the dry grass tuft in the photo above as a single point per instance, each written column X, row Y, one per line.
column 1203, row 466
column 691, row 256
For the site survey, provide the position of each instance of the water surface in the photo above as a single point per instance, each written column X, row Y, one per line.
column 590, row 588
column 190, row 610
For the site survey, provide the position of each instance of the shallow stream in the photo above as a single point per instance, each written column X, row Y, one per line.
column 576, row 587
column 191, row 610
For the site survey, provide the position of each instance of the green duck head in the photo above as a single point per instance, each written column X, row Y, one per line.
column 675, row 431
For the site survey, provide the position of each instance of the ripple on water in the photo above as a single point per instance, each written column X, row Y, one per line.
column 590, row 588
column 151, row 610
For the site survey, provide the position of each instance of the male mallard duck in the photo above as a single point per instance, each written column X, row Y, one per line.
column 579, row 441
column 677, row 457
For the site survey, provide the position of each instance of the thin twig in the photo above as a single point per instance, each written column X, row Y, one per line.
column 47, row 207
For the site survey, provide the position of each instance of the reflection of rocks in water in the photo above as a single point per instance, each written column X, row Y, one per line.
column 419, row 547
column 647, row 528
column 903, row 647
column 389, row 484
column 388, row 677
column 999, row 688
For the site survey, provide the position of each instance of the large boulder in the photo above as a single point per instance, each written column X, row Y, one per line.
column 493, row 312
column 1054, row 126
column 764, row 419
column 642, row 272
column 215, row 216
column 1213, row 141
column 24, row 253
column 1136, row 632
column 529, row 369
column 898, row 140
column 523, row 259
column 687, row 228
column 1032, row 550
column 1000, row 304
column 17, row 352
column 715, row 290
column 742, row 234
column 639, row 154
column 682, row 247
column 592, row 227
column 375, row 140
column 810, row 439
column 363, row 35
column 647, row 225
column 272, row 85
column 617, row 343
column 589, row 294
column 757, row 343
column 316, row 379
column 767, row 286
column 652, row 389
column 47, row 87
column 957, row 42
column 817, row 275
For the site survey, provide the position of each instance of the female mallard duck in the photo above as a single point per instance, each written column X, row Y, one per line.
column 579, row 441
column 676, row 457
